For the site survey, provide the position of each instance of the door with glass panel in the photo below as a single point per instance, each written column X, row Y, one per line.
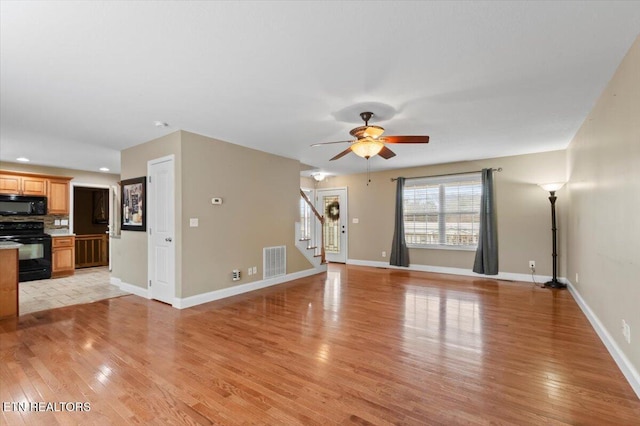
column 332, row 204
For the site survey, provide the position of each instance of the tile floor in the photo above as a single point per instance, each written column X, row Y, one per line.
column 85, row 286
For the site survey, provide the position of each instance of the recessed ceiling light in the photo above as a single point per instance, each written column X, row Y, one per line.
column 160, row 124
column 104, row 169
column 23, row 159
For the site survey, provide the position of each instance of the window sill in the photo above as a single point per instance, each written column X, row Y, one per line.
column 443, row 247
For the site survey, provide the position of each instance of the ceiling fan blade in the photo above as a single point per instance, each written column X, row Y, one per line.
column 342, row 154
column 386, row 153
column 330, row 143
column 405, row 139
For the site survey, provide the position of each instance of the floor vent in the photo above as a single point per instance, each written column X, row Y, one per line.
column 274, row 261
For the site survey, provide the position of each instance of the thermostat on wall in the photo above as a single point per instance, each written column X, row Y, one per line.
column 216, row 200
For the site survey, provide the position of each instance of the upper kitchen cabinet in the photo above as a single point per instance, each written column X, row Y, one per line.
column 58, row 196
column 22, row 184
column 55, row 188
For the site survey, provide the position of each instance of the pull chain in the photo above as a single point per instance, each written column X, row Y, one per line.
column 368, row 173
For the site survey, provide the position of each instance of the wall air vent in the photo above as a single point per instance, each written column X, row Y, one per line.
column 274, row 261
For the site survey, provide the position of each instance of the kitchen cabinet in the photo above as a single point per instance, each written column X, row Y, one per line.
column 63, row 256
column 58, row 196
column 8, row 280
column 22, row 184
column 55, row 188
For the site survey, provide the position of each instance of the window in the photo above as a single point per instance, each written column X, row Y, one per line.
column 442, row 211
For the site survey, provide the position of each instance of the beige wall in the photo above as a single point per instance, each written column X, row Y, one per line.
column 260, row 193
column 307, row 182
column 604, row 229
column 524, row 218
column 129, row 253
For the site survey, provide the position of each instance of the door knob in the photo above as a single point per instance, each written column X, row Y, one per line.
column 168, row 239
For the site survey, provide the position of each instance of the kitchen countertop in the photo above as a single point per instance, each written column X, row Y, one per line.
column 59, row 233
column 8, row 245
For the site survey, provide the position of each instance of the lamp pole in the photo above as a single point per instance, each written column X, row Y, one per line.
column 554, row 283
column 552, row 188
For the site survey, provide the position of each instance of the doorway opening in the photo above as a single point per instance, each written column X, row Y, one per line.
column 91, row 226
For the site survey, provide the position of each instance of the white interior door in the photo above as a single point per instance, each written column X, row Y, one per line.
column 161, row 218
column 332, row 204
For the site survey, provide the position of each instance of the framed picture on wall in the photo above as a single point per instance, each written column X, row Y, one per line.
column 100, row 206
column 133, row 205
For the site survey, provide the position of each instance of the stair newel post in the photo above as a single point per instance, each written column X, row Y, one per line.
column 323, row 260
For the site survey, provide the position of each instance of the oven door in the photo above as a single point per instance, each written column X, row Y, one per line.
column 34, row 256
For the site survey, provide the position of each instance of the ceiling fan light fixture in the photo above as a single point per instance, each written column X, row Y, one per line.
column 367, row 147
column 318, row 177
column 373, row 131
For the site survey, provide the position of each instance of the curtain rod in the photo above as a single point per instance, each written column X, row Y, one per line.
column 499, row 169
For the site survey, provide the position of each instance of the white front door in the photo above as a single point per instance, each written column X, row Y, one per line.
column 161, row 216
column 332, row 204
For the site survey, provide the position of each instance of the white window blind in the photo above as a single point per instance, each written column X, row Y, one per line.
column 442, row 211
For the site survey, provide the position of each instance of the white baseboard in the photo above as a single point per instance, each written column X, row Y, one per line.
column 211, row 296
column 130, row 288
column 199, row 299
column 629, row 371
column 510, row 276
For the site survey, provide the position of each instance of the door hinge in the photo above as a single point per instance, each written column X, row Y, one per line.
column 150, row 231
column 149, row 179
column 149, row 283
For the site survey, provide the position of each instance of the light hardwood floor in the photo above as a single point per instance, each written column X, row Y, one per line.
column 356, row 345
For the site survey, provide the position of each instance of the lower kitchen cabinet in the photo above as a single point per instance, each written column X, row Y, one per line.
column 63, row 256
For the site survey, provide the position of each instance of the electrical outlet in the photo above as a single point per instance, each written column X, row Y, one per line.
column 249, row 271
column 577, row 278
column 384, row 254
column 255, row 270
column 532, row 264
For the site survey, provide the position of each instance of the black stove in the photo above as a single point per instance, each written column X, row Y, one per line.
column 35, row 253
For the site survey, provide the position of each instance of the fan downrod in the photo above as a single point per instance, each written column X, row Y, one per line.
column 366, row 116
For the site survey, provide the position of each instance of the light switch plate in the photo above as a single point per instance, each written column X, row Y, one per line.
column 356, row 220
column 64, row 222
column 193, row 222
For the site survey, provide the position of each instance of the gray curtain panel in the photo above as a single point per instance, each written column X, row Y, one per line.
column 399, row 249
column 486, row 261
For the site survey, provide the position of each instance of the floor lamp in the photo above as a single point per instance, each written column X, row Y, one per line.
column 552, row 188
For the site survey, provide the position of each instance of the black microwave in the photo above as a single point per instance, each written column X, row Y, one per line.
column 22, row 205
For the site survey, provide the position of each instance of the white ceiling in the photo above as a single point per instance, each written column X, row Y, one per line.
column 82, row 80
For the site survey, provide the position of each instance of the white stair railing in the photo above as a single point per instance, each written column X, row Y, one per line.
column 306, row 227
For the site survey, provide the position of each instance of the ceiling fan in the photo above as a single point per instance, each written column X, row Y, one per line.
column 370, row 142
